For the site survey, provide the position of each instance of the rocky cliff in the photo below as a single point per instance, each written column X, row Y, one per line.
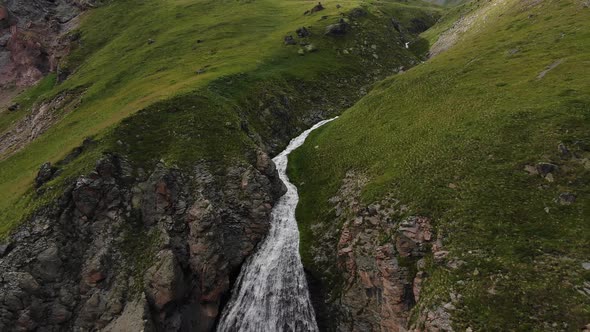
column 33, row 38
column 79, row 264
column 376, row 270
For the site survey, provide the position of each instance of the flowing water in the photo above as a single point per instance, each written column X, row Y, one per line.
column 271, row 291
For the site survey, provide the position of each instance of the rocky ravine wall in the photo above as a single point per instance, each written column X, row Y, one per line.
column 75, row 265
column 33, row 37
column 371, row 260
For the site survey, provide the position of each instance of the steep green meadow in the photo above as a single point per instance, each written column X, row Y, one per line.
column 210, row 66
column 451, row 138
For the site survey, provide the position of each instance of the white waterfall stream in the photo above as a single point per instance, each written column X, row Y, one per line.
column 271, row 292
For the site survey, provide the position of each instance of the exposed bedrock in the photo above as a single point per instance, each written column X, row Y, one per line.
column 78, row 263
column 33, row 37
column 370, row 261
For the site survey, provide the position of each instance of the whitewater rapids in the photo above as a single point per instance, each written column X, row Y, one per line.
column 271, row 292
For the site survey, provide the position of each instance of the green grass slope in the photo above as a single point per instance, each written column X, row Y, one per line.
column 211, row 65
column 447, row 2
column 451, row 139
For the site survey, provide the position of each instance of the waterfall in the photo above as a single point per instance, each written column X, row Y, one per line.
column 271, row 291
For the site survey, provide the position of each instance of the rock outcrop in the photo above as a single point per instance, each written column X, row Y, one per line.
column 123, row 251
column 379, row 253
column 464, row 24
column 33, row 37
column 40, row 118
column 339, row 28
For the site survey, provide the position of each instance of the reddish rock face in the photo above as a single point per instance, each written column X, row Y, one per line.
column 94, row 277
column 379, row 253
column 4, row 16
column 32, row 39
column 30, row 61
column 412, row 234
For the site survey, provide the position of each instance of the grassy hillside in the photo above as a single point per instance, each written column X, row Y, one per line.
column 447, row 2
column 198, row 69
column 451, row 139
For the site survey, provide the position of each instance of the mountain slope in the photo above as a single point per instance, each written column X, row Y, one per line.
column 131, row 54
column 473, row 169
column 158, row 128
column 447, row 2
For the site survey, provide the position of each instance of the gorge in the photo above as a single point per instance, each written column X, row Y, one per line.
column 144, row 182
column 271, row 292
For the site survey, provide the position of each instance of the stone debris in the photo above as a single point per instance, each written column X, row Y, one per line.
column 289, row 40
column 566, row 198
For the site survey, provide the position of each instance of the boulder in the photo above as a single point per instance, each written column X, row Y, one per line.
column 303, row 32
column 317, row 8
column 357, row 13
column 45, row 174
column 338, row 29
column 566, row 198
column 545, row 168
column 289, row 40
